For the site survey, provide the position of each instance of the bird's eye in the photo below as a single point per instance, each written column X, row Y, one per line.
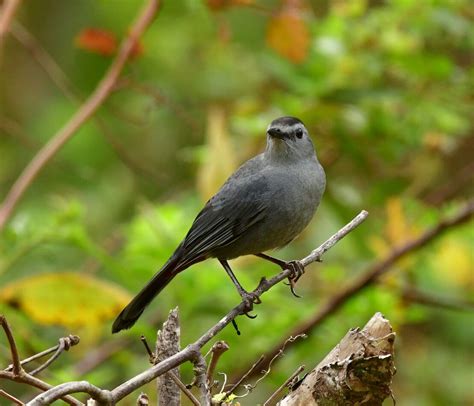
column 299, row 133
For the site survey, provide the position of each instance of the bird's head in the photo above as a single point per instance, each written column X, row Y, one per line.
column 288, row 139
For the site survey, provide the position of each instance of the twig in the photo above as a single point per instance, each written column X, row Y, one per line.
column 218, row 348
column 244, row 376
column 45, row 60
column 414, row 295
column 64, row 344
column 183, row 387
column 192, row 351
column 16, row 366
column 290, row 339
column 6, row 16
column 11, row 398
column 328, row 244
column 375, row 271
column 57, row 75
column 150, row 353
column 85, row 111
column 271, row 400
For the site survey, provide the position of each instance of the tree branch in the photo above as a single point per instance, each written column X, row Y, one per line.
column 85, row 111
column 16, row 365
column 192, row 352
column 48, row 397
column 371, row 275
column 7, row 13
column 64, row 344
column 36, row 383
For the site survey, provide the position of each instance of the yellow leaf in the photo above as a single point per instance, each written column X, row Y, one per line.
column 288, row 33
column 68, row 299
column 454, row 262
column 396, row 228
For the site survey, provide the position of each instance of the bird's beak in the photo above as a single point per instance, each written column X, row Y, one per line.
column 275, row 133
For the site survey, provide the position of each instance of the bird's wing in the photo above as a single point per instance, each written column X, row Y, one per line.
column 221, row 222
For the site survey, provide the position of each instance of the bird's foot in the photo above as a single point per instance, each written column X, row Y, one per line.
column 297, row 270
column 249, row 299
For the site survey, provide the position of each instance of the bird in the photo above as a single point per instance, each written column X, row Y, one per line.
column 263, row 205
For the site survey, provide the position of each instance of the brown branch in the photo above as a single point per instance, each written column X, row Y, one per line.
column 192, row 352
column 36, row 383
column 275, row 395
column 374, row 272
column 45, row 60
column 11, row 398
column 218, row 348
column 64, row 344
column 6, row 17
column 183, row 387
column 16, row 365
column 85, row 111
column 416, row 296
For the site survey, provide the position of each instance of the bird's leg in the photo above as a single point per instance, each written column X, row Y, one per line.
column 296, row 268
column 249, row 298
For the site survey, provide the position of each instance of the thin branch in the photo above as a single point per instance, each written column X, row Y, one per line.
column 275, row 395
column 16, row 366
column 6, row 17
column 244, row 376
column 85, row 111
column 183, row 387
column 218, row 348
column 64, row 344
column 36, row 383
column 416, row 296
column 11, row 398
column 45, row 60
column 57, row 75
column 192, row 351
column 375, row 271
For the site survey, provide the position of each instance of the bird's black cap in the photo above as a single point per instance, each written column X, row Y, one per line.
column 286, row 121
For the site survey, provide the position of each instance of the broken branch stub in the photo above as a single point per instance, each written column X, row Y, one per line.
column 358, row 370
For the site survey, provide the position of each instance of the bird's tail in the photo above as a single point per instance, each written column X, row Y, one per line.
column 130, row 314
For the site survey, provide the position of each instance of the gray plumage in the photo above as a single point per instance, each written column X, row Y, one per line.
column 265, row 204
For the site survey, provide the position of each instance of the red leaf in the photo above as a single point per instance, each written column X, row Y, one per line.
column 98, row 41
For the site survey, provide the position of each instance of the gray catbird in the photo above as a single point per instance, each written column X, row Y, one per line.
column 265, row 204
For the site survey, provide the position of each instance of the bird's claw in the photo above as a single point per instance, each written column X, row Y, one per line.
column 249, row 299
column 297, row 270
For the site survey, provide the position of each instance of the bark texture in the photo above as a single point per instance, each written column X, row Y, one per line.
column 167, row 344
column 358, row 371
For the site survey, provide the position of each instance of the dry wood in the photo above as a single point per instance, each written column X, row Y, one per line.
column 358, row 370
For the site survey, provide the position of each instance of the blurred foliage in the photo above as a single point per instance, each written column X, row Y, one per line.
column 385, row 89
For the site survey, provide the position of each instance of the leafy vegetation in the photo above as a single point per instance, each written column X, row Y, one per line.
column 385, row 89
